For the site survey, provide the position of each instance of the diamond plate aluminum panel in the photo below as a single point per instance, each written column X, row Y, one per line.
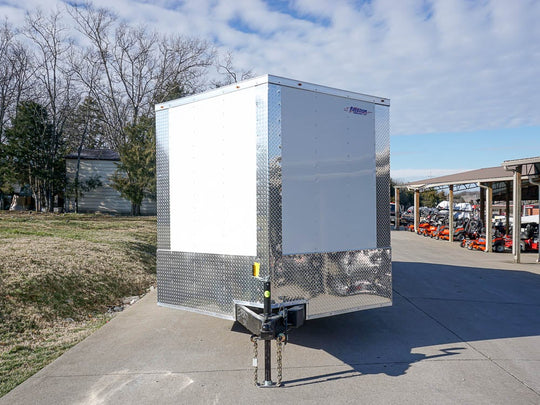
column 274, row 179
column 162, row 166
column 205, row 282
column 382, row 151
column 336, row 282
column 263, row 253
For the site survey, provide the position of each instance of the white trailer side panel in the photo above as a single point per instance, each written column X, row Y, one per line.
column 213, row 206
column 329, row 179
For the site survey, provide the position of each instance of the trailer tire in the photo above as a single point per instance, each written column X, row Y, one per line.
column 499, row 248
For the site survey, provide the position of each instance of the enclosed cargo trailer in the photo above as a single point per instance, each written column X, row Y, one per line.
column 289, row 175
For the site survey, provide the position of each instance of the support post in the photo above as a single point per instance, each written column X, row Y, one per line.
column 398, row 213
column 416, row 209
column 536, row 181
column 451, row 213
column 507, row 200
column 516, row 232
column 489, row 202
column 482, row 204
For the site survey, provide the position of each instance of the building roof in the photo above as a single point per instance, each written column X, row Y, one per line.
column 510, row 164
column 95, row 154
column 528, row 167
column 485, row 175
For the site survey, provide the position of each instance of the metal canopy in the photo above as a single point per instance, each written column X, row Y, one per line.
column 492, row 179
column 512, row 164
column 485, row 175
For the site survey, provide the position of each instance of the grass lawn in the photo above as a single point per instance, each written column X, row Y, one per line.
column 59, row 275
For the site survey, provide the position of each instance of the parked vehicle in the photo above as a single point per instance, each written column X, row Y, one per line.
column 497, row 243
column 393, row 214
column 528, row 238
column 459, row 231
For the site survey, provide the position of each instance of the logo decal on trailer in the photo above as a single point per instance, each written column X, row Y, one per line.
column 356, row 110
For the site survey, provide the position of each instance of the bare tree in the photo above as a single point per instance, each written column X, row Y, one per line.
column 15, row 73
column 225, row 67
column 136, row 67
column 83, row 131
column 52, row 46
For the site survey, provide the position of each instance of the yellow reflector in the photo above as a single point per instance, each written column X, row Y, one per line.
column 256, row 267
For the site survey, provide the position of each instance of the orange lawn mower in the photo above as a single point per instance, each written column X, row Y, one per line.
column 529, row 239
column 429, row 225
column 423, row 226
column 498, row 243
column 442, row 225
column 459, row 231
column 473, row 230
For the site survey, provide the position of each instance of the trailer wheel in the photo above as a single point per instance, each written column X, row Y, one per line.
column 499, row 248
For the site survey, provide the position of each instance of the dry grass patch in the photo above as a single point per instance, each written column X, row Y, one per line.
column 59, row 274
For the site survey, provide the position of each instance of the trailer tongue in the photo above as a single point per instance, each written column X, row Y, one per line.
column 273, row 199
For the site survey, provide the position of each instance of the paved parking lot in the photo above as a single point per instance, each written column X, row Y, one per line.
column 464, row 328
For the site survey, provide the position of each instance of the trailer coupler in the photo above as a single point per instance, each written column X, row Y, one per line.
column 267, row 325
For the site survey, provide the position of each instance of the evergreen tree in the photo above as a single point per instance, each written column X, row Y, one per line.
column 31, row 154
column 135, row 176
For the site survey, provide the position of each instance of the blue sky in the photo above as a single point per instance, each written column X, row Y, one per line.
column 462, row 75
column 424, row 156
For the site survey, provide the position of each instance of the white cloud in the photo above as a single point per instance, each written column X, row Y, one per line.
column 448, row 66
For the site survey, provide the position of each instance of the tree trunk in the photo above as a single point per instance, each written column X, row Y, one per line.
column 135, row 209
column 77, row 170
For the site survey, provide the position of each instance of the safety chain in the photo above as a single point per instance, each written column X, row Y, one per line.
column 255, row 360
column 280, row 340
column 279, row 363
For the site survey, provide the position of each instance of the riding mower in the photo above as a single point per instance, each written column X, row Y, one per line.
column 473, row 229
column 459, row 231
column 529, row 245
column 529, row 239
column 422, row 227
column 433, row 228
column 498, row 243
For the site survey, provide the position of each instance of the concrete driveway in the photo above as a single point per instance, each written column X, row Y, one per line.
column 464, row 329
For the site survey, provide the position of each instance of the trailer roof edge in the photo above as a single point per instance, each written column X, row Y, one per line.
column 271, row 79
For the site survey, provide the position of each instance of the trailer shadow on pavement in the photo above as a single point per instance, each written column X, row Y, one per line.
column 440, row 312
